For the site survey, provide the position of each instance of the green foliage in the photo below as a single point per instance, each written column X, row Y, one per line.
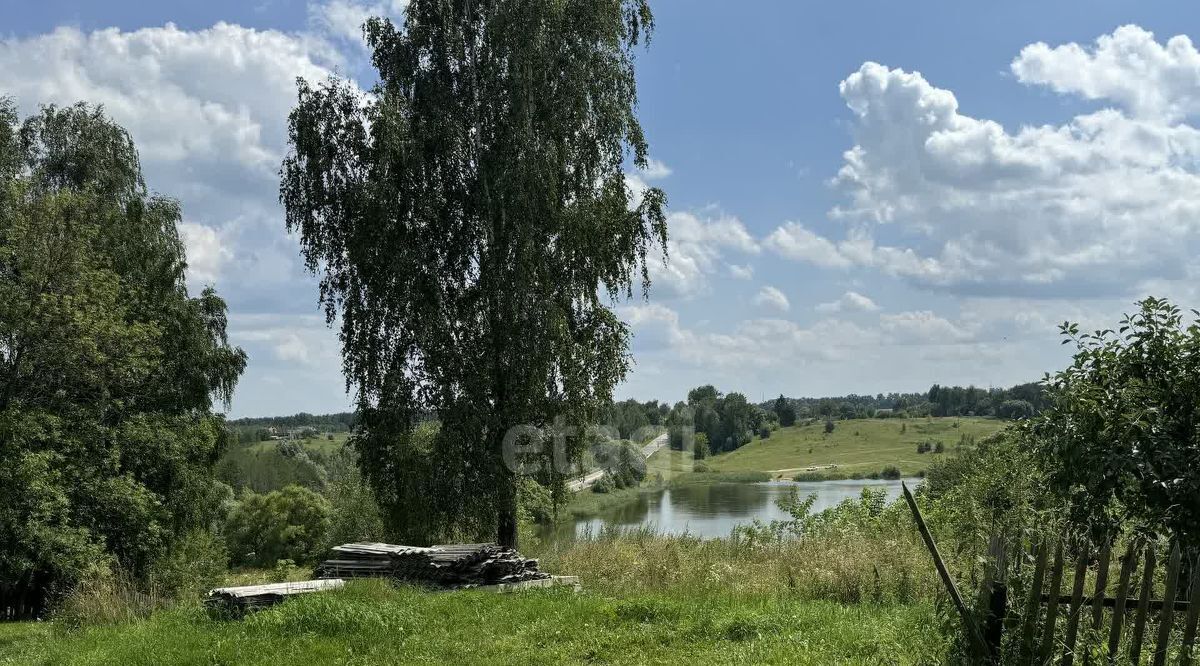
column 536, row 502
column 468, row 219
column 727, row 421
column 108, row 368
column 194, row 564
column 630, row 418
column 271, row 467
column 786, row 412
column 284, row 524
column 995, row 487
column 829, row 426
column 354, row 514
column 1122, row 436
column 623, row 464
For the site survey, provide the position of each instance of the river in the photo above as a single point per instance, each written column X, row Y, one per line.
column 713, row 510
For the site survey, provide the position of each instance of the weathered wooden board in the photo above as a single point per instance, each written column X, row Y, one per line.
column 248, row 597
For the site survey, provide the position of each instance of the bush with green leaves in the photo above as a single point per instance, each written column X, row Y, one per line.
column 354, row 514
column 287, row 524
column 1122, row 436
column 622, row 462
column 195, row 563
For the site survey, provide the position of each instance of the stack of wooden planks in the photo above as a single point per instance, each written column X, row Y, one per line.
column 451, row 565
column 238, row 600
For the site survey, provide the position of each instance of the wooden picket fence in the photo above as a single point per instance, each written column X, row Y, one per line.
column 1103, row 612
column 1133, row 622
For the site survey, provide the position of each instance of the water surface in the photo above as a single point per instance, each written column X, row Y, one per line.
column 713, row 510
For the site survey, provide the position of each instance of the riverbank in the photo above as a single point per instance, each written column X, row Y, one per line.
column 856, row 448
column 860, row 449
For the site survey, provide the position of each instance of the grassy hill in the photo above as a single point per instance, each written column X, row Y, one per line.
column 857, row 446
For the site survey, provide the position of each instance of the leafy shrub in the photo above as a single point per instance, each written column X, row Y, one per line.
column 622, row 461
column 534, row 503
column 829, row 426
column 195, row 563
column 764, row 432
column 284, row 524
column 890, row 472
column 354, row 515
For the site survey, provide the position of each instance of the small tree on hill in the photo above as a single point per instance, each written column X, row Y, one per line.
column 828, row 426
column 785, row 411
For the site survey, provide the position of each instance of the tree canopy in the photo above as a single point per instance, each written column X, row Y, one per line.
column 470, row 221
column 108, row 368
column 1122, row 436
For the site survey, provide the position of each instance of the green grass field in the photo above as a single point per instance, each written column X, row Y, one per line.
column 857, row 446
column 316, row 444
column 373, row 623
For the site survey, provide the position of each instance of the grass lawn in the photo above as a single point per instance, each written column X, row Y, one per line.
column 857, row 446
column 317, row 444
column 373, row 623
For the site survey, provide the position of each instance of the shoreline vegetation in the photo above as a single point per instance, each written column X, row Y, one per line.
column 858, row 449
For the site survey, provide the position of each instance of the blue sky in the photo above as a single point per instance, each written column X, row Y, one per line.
column 865, row 196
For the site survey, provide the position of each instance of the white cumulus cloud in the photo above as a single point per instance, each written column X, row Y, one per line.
column 206, row 252
column 1092, row 206
column 851, row 301
column 1151, row 80
column 698, row 247
column 770, row 297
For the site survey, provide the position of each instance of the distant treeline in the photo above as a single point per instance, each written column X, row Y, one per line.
column 259, row 429
column 1020, row 401
column 628, row 417
column 339, row 422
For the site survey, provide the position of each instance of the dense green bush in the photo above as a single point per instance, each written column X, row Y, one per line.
column 291, row 524
column 535, row 503
column 1122, row 436
column 197, row 562
column 354, row 515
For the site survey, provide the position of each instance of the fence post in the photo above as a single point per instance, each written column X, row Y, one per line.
column 1139, row 620
column 1189, row 624
column 1167, row 614
column 1047, row 647
column 969, row 624
column 1034, row 603
column 1128, row 564
column 1076, row 608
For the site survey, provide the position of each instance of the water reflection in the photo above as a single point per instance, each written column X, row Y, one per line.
column 712, row 510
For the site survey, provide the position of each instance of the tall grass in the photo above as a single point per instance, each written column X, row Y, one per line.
column 110, row 600
column 373, row 623
column 845, row 568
